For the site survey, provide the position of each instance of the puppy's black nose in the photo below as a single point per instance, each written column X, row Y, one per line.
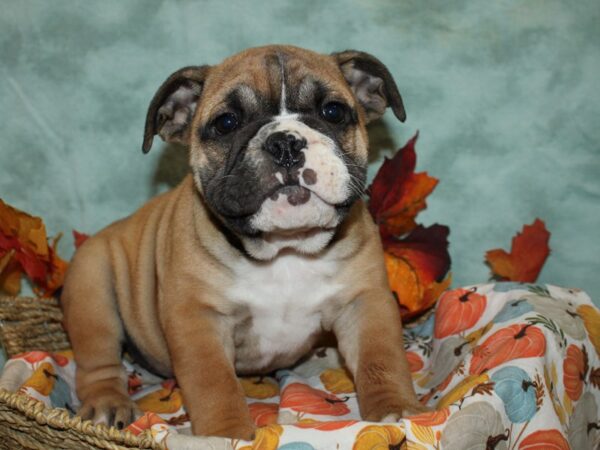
column 285, row 148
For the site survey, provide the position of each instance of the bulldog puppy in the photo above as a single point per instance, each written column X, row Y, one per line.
column 261, row 250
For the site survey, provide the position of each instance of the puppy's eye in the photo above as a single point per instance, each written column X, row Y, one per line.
column 226, row 123
column 333, row 112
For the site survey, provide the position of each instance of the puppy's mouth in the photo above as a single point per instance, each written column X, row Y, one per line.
column 296, row 194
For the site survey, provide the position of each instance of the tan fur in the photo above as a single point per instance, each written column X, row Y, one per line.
column 164, row 271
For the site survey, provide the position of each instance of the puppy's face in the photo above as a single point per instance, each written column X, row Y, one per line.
column 278, row 145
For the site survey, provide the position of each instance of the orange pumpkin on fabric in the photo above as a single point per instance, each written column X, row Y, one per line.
column 457, row 311
column 337, row 381
column 267, row 438
column 325, row 426
column 545, row 440
column 415, row 363
column 591, row 321
column 515, row 341
column 431, row 418
column 145, row 423
column 263, row 413
column 574, row 369
column 259, row 387
column 166, row 400
column 379, row 437
column 42, row 380
column 305, row 399
column 37, row 356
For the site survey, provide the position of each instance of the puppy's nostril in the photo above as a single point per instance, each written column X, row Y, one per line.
column 285, row 148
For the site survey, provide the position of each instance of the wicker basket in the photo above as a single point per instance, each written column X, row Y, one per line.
column 35, row 324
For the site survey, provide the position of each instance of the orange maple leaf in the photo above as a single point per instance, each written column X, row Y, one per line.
column 57, row 269
column 416, row 258
column 527, row 255
column 418, row 267
column 397, row 193
column 24, row 249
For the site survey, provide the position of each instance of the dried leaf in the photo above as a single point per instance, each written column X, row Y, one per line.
column 79, row 238
column 398, row 194
column 10, row 273
column 5, row 259
column 527, row 255
column 24, row 237
column 28, row 230
column 418, row 267
column 57, row 270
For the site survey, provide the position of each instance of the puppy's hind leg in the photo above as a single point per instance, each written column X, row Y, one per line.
column 96, row 333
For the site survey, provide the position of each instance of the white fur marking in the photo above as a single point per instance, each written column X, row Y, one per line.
column 284, row 297
column 282, row 107
column 391, row 418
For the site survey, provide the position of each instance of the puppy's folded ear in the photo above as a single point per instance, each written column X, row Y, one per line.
column 372, row 84
column 172, row 107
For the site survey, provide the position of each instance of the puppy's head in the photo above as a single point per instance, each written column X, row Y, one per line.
column 278, row 146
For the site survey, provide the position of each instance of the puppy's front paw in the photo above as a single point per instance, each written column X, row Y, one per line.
column 111, row 408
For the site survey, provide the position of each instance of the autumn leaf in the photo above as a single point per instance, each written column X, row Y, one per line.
column 24, row 249
column 57, row 269
column 79, row 238
column 25, row 236
column 397, row 193
column 418, row 267
column 10, row 274
column 526, row 258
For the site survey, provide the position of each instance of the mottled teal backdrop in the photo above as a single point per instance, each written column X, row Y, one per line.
column 506, row 95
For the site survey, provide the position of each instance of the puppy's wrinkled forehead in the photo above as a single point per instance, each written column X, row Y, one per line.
column 274, row 80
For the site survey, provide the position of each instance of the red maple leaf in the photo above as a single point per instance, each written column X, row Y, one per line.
column 397, row 193
column 79, row 238
column 417, row 267
column 24, row 249
column 527, row 255
column 416, row 258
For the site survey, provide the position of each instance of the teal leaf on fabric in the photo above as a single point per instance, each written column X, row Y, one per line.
column 512, row 310
column 517, row 391
column 297, row 446
column 507, row 286
column 539, row 290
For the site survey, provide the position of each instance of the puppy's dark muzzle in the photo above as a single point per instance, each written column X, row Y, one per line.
column 285, row 148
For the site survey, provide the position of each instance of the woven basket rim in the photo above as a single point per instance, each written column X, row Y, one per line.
column 59, row 418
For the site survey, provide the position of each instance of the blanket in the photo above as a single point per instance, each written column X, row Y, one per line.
column 504, row 366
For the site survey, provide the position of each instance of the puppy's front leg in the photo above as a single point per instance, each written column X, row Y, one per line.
column 369, row 334
column 202, row 355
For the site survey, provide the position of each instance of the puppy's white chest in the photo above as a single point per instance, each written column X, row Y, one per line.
column 282, row 302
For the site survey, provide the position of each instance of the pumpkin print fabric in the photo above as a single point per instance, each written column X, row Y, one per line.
column 503, row 366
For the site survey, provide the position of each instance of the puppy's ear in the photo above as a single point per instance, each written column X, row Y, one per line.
column 372, row 83
column 172, row 107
